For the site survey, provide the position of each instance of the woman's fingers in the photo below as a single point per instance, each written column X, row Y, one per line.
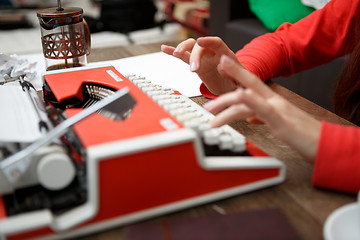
column 170, row 51
column 195, row 57
column 264, row 109
column 287, row 122
column 223, row 101
column 229, row 108
column 210, row 51
column 167, row 49
column 206, row 57
column 290, row 124
column 254, row 101
column 211, row 47
column 257, row 96
column 230, row 114
column 184, row 47
column 244, row 77
column 182, row 51
column 215, row 43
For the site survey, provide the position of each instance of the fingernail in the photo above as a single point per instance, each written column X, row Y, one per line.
column 239, row 90
column 177, row 49
column 225, row 60
column 193, row 66
column 208, row 105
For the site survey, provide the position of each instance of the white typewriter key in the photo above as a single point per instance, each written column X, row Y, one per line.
column 204, row 126
column 169, row 92
column 155, row 92
column 142, row 83
column 193, row 124
column 160, row 97
column 175, row 97
column 168, row 89
column 147, row 89
column 166, row 101
column 179, row 100
column 170, row 97
column 205, row 119
column 157, row 87
column 172, row 106
column 212, row 136
column 176, row 111
column 188, row 111
column 197, row 125
column 152, row 93
column 185, row 117
column 226, row 142
column 130, row 75
column 138, row 77
column 239, row 143
column 144, row 86
column 139, row 82
column 198, row 115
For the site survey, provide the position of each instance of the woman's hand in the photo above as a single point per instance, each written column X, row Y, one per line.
column 287, row 122
column 203, row 56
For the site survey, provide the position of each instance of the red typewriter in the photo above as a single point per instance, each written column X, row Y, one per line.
column 158, row 155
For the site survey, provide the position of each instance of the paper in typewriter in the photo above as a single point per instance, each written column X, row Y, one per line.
column 19, row 119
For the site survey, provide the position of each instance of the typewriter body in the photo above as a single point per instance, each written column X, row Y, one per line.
column 160, row 156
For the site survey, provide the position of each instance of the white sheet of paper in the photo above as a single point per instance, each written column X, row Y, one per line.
column 19, row 120
column 161, row 69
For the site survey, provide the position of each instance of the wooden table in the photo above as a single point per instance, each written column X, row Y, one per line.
column 305, row 207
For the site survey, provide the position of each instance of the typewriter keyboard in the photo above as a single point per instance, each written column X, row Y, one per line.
column 219, row 141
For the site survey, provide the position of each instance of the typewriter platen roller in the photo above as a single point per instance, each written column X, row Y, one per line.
column 158, row 156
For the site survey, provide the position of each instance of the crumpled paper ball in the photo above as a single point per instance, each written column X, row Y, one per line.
column 14, row 66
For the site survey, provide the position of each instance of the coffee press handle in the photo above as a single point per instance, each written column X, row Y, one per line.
column 87, row 36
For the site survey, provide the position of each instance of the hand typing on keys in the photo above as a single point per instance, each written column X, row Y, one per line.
column 193, row 116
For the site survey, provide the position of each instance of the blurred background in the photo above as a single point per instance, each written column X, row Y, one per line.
column 123, row 22
column 110, row 23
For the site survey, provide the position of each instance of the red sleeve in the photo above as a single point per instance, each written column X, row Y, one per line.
column 337, row 164
column 317, row 39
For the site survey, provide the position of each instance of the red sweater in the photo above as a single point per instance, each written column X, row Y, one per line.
column 317, row 39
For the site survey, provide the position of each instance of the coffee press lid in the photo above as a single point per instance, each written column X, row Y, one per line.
column 62, row 12
column 53, row 17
